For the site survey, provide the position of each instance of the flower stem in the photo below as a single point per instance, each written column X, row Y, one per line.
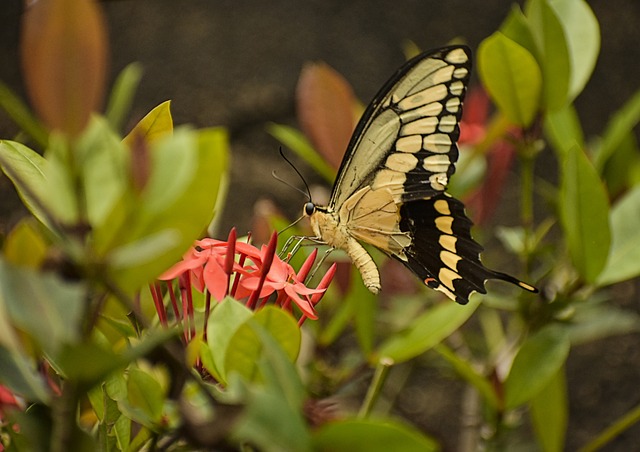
column 375, row 388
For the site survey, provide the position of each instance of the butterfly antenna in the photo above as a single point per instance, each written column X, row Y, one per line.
column 291, row 225
column 308, row 193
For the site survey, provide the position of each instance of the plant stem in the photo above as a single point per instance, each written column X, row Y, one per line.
column 375, row 388
column 619, row 426
column 64, row 418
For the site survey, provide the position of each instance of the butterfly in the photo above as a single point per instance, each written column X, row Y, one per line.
column 390, row 188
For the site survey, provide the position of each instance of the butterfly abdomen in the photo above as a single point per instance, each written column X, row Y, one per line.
column 329, row 229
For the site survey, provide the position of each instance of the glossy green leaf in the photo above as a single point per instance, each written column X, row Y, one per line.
column 550, row 413
column 618, row 128
column 564, row 130
column 552, row 53
column 624, row 256
column 122, row 93
column 426, row 331
column 371, row 435
column 245, row 347
column 298, row 143
column 584, row 213
column 468, row 373
column 26, row 169
column 511, row 76
column 537, row 362
column 582, row 33
column 224, row 321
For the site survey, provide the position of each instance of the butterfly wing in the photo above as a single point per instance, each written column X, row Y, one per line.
column 405, row 141
column 390, row 187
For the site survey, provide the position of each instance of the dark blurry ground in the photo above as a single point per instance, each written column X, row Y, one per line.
column 235, row 63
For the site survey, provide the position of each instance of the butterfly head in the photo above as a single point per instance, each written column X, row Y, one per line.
column 309, row 209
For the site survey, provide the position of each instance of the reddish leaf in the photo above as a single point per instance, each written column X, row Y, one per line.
column 326, row 110
column 64, row 48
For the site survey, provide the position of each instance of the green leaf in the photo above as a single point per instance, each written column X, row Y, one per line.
column 550, row 413
column 245, row 347
column 122, row 94
column 147, row 235
column 592, row 323
column 105, row 166
column 42, row 305
column 157, row 124
column 277, row 366
column 26, row 169
column 22, row 116
column 260, row 425
column 224, row 321
column 371, row 435
column 146, row 397
column 582, row 33
column 365, row 307
column 537, row 362
column 584, row 213
column 512, row 77
column 61, row 195
column 426, row 331
column 620, row 126
column 467, row 372
column 564, row 130
column 516, row 27
column 24, row 246
column 552, row 52
column 624, row 256
column 20, row 375
column 298, row 143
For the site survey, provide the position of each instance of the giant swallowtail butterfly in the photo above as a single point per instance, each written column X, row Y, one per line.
column 390, row 188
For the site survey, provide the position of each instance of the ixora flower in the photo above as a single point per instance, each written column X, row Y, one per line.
column 242, row 271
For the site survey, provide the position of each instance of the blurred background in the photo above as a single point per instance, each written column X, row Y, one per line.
column 236, row 64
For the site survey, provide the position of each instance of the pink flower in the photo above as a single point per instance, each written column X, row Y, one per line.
column 239, row 270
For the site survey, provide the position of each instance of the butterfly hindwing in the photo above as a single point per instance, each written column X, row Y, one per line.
column 442, row 252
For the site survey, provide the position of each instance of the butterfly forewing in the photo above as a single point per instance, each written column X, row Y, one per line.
column 405, row 141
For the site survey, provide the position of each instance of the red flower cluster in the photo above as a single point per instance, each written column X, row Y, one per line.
column 241, row 271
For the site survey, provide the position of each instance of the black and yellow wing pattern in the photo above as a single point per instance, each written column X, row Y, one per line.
column 390, row 188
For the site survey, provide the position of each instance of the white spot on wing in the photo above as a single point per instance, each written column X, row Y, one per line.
column 447, row 124
column 453, row 105
column 436, row 163
column 456, row 56
column 401, row 162
column 424, row 97
column 411, row 143
column 437, row 142
column 420, row 126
